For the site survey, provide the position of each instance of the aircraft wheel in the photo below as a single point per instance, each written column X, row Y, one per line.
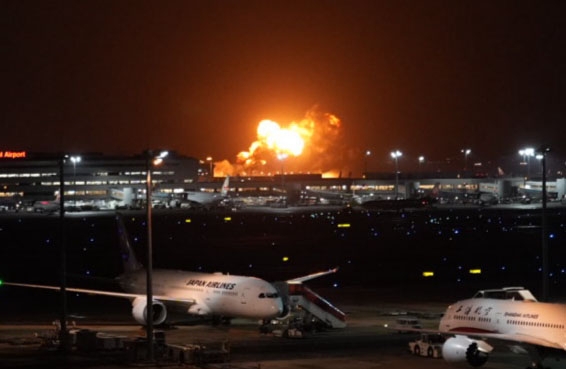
column 417, row 350
column 430, row 352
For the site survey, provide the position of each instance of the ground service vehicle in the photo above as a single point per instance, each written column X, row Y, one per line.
column 407, row 324
column 427, row 344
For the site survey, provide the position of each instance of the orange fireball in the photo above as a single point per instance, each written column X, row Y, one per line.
column 280, row 140
column 312, row 145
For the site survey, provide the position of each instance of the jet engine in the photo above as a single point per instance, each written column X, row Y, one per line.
column 463, row 349
column 139, row 311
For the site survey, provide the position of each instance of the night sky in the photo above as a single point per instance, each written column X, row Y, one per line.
column 426, row 77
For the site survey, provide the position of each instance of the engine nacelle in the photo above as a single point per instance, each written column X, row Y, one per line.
column 463, row 349
column 139, row 311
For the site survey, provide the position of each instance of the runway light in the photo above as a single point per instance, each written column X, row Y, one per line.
column 428, row 274
column 227, row 219
column 344, row 225
column 188, row 220
column 285, row 258
column 1, row 282
column 475, row 271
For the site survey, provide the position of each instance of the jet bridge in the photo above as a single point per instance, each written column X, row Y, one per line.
column 300, row 296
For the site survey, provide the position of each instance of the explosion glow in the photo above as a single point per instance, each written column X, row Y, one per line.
column 311, row 145
column 282, row 141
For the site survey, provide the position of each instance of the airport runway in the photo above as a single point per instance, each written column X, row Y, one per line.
column 364, row 344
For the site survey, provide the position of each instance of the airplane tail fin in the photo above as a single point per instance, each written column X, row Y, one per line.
column 225, row 186
column 129, row 260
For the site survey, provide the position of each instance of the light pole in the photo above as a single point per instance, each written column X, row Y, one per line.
column 282, row 156
column 75, row 160
column 63, row 334
column 421, row 162
column 542, row 152
column 366, row 156
column 527, row 153
column 396, row 155
column 466, row 152
column 150, row 161
column 210, row 173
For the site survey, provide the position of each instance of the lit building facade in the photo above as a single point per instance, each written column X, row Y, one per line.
column 37, row 176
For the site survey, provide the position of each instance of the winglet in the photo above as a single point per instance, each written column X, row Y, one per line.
column 312, row 276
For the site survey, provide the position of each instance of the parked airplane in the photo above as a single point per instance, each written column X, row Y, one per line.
column 511, row 316
column 203, row 294
column 340, row 197
column 208, row 198
column 47, row 206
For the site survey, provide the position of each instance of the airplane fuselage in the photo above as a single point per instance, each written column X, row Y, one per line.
column 218, row 294
column 538, row 323
column 204, row 198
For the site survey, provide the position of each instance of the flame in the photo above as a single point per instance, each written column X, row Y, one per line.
column 283, row 141
column 311, row 145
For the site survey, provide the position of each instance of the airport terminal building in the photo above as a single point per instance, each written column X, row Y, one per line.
column 31, row 177
column 38, row 176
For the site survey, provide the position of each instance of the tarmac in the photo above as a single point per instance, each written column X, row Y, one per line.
column 367, row 341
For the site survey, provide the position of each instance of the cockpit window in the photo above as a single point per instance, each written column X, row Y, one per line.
column 269, row 295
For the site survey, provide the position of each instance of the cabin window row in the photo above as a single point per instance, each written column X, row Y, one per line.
column 472, row 318
column 465, row 317
column 535, row 324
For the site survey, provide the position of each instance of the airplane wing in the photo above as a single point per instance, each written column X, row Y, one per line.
column 311, row 276
column 130, row 296
column 522, row 338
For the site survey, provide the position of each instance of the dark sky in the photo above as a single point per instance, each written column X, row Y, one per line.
column 426, row 77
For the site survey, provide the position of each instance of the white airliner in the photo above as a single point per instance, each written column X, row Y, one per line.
column 47, row 206
column 204, row 294
column 511, row 316
column 209, row 198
